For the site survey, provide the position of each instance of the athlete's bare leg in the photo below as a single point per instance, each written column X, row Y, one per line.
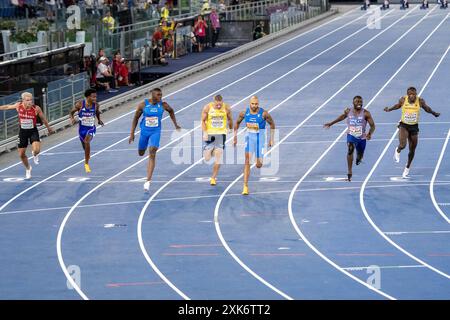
column 23, row 157
column 412, row 142
column 151, row 162
column 218, row 161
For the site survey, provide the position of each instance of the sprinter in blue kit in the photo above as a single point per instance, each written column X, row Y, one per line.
column 87, row 110
column 151, row 111
column 255, row 139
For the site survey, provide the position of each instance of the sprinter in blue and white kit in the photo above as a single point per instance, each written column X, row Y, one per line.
column 151, row 111
column 255, row 139
column 357, row 119
column 87, row 110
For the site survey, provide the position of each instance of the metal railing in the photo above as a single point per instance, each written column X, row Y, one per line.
column 252, row 10
column 23, row 52
column 61, row 95
column 292, row 16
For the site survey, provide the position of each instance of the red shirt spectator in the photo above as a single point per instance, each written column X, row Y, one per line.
column 200, row 27
column 157, row 35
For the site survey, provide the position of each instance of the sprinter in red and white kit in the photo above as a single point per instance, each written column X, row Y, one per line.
column 28, row 132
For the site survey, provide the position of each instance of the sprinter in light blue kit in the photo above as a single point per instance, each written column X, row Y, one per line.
column 255, row 139
column 357, row 119
column 151, row 111
column 87, row 110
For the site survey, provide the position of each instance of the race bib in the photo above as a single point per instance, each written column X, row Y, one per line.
column 217, row 122
column 151, row 122
column 356, row 131
column 88, row 121
column 26, row 124
column 252, row 127
column 410, row 117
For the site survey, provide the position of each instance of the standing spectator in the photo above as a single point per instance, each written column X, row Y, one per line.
column 116, row 65
column 222, row 9
column 125, row 70
column 104, row 75
column 200, row 32
column 157, row 34
column 50, row 9
column 215, row 23
column 206, row 8
column 109, row 22
column 165, row 12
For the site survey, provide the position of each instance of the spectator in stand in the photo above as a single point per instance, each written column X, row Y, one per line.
column 222, row 9
column 125, row 70
column 169, row 44
column 234, row 2
column 200, row 32
column 104, row 75
column 157, row 54
column 194, row 44
column 109, row 22
column 116, row 66
column 165, row 12
column 23, row 10
column 157, row 34
column 206, row 8
column 215, row 24
column 259, row 31
column 101, row 53
column 50, row 9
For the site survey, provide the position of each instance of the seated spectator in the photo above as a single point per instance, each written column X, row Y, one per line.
column 157, row 54
column 168, row 45
column 101, row 53
column 259, row 31
column 104, row 76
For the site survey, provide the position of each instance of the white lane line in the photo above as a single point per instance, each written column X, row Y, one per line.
column 199, row 161
column 198, row 81
column 383, row 267
column 433, row 198
column 212, row 196
column 399, row 233
column 363, row 187
column 293, row 191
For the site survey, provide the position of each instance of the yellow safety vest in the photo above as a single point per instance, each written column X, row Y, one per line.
column 410, row 111
column 216, row 123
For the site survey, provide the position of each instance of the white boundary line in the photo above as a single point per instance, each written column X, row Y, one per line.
column 200, row 80
column 361, row 194
column 433, row 179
